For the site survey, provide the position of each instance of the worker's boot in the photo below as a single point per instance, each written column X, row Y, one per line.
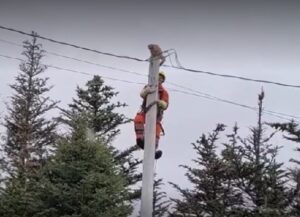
column 158, row 154
column 140, row 143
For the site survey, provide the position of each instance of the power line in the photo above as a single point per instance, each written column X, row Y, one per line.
column 192, row 93
column 96, row 64
column 213, row 98
column 75, row 71
column 105, row 66
column 10, row 42
column 179, row 67
column 233, row 76
column 9, row 57
column 79, row 60
column 72, row 45
column 205, row 95
column 85, row 73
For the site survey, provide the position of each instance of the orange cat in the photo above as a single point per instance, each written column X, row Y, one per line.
column 156, row 51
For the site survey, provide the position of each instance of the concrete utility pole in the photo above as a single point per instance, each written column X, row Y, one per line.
column 150, row 136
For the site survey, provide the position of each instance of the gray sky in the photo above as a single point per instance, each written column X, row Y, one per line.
column 255, row 39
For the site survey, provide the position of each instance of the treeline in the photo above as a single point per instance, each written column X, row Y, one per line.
column 80, row 173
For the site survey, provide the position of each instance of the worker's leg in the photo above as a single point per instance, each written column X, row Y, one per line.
column 157, row 133
column 139, row 129
column 139, row 123
column 158, row 153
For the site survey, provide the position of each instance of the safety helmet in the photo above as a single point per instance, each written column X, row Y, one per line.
column 161, row 73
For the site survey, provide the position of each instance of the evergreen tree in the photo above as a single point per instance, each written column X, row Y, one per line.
column 30, row 136
column 96, row 103
column 232, row 158
column 261, row 178
column 211, row 194
column 294, row 194
column 81, row 180
column 245, row 180
column 160, row 202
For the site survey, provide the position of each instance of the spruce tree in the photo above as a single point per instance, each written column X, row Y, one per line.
column 95, row 101
column 261, row 178
column 82, row 180
column 160, row 202
column 210, row 195
column 232, row 158
column 293, row 131
column 244, row 180
column 30, row 136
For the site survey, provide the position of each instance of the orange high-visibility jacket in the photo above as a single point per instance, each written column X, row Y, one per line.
column 163, row 95
column 139, row 119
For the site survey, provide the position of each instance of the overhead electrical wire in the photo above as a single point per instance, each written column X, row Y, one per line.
column 189, row 91
column 179, row 66
column 74, row 71
column 109, row 67
column 79, row 60
column 228, row 101
column 140, row 74
column 85, row 73
column 269, row 112
column 192, row 91
column 72, row 45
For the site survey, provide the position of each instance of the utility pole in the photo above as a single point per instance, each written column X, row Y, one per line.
column 150, row 137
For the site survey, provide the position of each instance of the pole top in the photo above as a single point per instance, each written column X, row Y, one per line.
column 156, row 52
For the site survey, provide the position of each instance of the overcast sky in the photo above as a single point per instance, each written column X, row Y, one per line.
column 255, row 39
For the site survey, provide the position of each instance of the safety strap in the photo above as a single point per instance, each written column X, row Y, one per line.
column 147, row 108
column 162, row 129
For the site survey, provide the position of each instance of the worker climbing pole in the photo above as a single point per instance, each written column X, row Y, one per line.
column 148, row 126
column 162, row 103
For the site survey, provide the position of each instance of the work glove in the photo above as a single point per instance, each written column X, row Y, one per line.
column 162, row 104
column 147, row 90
